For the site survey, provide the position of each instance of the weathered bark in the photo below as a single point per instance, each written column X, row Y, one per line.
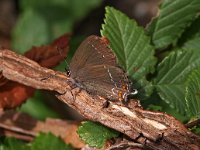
column 153, row 130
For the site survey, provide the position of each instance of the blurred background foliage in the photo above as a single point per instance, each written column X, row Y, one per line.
column 47, row 20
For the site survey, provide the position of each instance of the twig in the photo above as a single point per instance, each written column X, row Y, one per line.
column 22, row 126
column 154, row 130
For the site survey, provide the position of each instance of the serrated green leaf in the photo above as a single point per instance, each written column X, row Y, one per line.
column 155, row 100
column 174, row 17
column 173, row 95
column 192, row 44
column 193, row 94
column 49, row 142
column 131, row 46
column 30, row 30
column 150, row 27
column 171, row 77
column 193, row 31
column 173, row 67
column 95, row 134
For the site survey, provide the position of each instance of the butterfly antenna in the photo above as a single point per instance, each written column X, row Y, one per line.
column 134, row 92
column 67, row 69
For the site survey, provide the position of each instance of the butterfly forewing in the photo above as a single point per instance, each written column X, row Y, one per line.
column 94, row 67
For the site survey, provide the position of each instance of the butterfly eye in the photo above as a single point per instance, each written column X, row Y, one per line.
column 68, row 73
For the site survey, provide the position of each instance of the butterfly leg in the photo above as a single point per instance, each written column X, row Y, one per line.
column 75, row 92
column 125, row 101
column 139, row 136
column 106, row 104
column 74, row 88
column 47, row 77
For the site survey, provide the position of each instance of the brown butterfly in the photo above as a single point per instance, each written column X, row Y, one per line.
column 95, row 69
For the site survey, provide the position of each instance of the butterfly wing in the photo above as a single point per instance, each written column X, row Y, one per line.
column 91, row 51
column 105, row 80
column 94, row 67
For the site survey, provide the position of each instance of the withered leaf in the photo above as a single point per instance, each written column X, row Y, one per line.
column 23, row 126
column 13, row 94
column 50, row 55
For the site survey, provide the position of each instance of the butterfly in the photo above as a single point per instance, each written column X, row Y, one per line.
column 95, row 69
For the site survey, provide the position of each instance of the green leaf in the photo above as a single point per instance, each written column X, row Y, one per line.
column 192, row 44
column 37, row 4
column 36, row 107
column 43, row 21
column 13, row 144
column 81, row 9
column 49, row 142
column 154, row 102
column 193, row 94
column 154, row 107
column 172, row 74
column 73, row 9
column 174, row 17
column 60, row 14
column 173, row 95
column 196, row 129
column 30, row 30
column 191, row 32
column 95, row 134
column 131, row 46
column 41, row 142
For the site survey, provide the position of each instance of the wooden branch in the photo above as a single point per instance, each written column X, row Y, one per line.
column 154, row 130
column 123, row 143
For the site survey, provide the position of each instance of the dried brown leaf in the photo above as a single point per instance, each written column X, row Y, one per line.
column 25, row 127
column 50, row 55
column 13, row 94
